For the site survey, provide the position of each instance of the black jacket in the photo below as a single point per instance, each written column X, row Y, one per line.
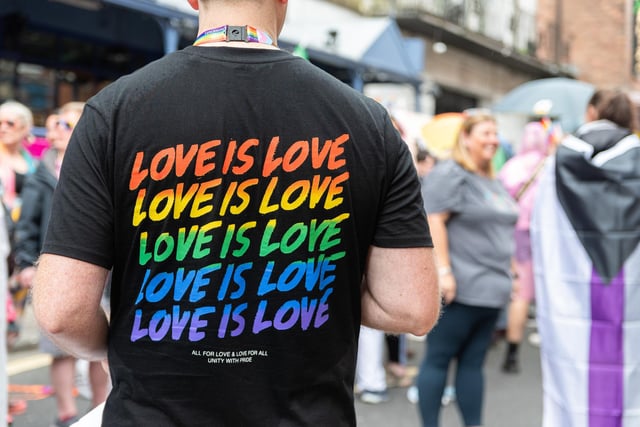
column 37, row 195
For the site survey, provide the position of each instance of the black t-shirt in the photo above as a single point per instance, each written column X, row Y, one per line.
column 235, row 194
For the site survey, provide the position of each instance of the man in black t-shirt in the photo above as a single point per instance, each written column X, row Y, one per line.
column 254, row 211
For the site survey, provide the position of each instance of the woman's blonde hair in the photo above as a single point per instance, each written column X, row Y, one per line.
column 20, row 110
column 460, row 151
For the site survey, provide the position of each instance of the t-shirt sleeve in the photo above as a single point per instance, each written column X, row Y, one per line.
column 442, row 189
column 81, row 224
column 402, row 220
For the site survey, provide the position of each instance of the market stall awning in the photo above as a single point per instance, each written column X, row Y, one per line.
column 340, row 37
column 371, row 48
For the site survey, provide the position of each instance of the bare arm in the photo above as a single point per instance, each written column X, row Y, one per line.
column 66, row 302
column 438, row 227
column 400, row 291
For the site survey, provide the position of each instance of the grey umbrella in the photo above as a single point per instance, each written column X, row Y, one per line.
column 560, row 98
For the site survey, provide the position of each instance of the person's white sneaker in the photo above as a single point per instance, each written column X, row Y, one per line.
column 82, row 379
column 449, row 395
column 374, row 397
column 534, row 339
column 412, row 394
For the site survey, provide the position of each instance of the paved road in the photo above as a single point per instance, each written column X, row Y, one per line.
column 510, row 401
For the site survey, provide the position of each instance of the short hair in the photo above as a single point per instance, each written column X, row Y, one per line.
column 460, row 152
column 20, row 110
column 72, row 106
column 614, row 105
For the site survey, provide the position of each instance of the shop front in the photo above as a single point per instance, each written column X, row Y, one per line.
column 52, row 52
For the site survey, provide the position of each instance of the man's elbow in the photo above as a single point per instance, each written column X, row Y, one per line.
column 425, row 319
column 48, row 320
column 53, row 317
column 425, row 307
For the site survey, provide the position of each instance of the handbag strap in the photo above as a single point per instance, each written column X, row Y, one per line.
column 532, row 178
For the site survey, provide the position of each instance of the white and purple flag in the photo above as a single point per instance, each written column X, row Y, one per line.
column 585, row 236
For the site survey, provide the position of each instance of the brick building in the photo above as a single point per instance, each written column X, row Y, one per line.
column 478, row 50
column 596, row 39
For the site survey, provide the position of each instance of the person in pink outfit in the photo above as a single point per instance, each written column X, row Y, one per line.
column 520, row 176
column 38, row 145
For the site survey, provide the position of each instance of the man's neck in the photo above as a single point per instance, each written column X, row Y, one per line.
column 235, row 36
column 258, row 15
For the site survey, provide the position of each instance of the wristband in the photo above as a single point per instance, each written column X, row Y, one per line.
column 444, row 270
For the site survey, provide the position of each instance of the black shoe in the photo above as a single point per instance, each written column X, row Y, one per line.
column 498, row 335
column 511, row 366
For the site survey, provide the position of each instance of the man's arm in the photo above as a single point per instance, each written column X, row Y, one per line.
column 66, row 303
column 400, row 291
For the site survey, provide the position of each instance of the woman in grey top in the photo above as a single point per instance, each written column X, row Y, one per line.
column 472, row 219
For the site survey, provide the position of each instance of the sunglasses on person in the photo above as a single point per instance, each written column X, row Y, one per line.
column 10, row 123
column 64, row 125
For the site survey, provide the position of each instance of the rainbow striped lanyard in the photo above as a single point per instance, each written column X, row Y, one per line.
column 233, row 33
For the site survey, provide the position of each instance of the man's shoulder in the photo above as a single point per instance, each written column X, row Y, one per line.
column 321, row 80
column 151, row 74
column 172, row 72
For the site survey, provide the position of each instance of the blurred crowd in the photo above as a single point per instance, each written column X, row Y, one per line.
column 487, row 223
column 29, row 170
column 498, row 245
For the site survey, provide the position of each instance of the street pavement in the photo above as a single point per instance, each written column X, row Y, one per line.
column 510, row 400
